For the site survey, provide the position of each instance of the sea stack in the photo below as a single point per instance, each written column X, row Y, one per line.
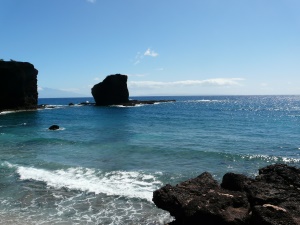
column 111, row 91
column 18, row 86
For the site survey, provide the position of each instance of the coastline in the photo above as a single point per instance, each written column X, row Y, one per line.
column 61, row 175
column 270, row 198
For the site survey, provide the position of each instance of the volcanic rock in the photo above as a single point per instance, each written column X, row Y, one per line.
column 111, row 91
column 272, row 198
column 18, row 85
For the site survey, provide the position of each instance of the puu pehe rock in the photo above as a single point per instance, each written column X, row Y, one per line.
column 111, row 91
column 18, row 86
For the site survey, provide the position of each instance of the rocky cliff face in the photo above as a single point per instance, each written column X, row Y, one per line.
column 18, row 85
column 272, row 198
column 111, row 91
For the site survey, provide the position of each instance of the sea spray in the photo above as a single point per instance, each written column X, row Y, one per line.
column 119, row 183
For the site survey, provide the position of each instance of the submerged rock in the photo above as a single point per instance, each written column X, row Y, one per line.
column 272, row 198
column 18, row 85
column 54, row 127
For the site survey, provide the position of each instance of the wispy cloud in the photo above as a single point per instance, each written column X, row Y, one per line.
column 91, row 1
column 69, row 89
column 151, row 53
column 140, row 56
column 207, row 82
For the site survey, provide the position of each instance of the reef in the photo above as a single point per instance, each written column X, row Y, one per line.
column 18, row 86
column 271, row 198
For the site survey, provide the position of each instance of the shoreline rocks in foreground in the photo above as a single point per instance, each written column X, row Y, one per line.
column 272, row 198
column 18, row 86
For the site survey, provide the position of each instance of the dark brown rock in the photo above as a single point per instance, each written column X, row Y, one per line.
column 202, row 200
column 235, row 182
column 271, row 215
column 277, row 185
column 18, row 85
column 111, row 91
column 272, row 198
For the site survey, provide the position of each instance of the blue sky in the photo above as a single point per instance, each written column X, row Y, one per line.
column 190, row 47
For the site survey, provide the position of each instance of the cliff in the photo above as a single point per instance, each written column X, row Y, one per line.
column 272, row 198
column 18, row 85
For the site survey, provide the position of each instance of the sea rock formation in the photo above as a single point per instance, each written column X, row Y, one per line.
column 272, row 198
column 111, row 91
column 18, row 85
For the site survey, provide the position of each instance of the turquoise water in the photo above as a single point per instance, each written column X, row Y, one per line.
column 103, row 164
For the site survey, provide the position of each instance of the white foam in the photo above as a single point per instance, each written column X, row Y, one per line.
column 7, row 112
column 127, row 106
column 61, row 128
column 290, row 160
column 268, row 158
column 120, row 183
column 205, row 100
column 54, row 106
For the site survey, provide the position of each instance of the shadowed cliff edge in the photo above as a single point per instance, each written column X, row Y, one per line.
column 272, row 198
column 18, row 86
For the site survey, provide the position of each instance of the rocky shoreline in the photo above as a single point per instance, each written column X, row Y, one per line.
column 271, row 198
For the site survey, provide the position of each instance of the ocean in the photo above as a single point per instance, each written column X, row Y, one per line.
column 103, row 164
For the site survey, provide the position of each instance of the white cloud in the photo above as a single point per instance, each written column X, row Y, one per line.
column 91, row 1
column 139, row 56
column 40, row 89
column 96, row 78
column 151, row 53
column 186, row 83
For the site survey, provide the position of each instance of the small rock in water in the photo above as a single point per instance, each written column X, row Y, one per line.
column 54, row 127
column 71, row 104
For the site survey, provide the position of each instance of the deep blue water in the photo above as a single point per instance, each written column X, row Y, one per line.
column 102, row 166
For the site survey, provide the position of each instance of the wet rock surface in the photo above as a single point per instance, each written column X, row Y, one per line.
column 272, row 198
